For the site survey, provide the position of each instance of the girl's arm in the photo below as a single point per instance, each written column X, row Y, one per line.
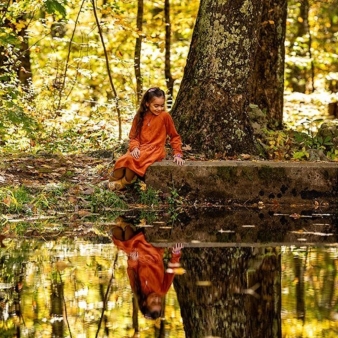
column 134, row 141
column 175, row 138
column 174, row 262
column 132, row 269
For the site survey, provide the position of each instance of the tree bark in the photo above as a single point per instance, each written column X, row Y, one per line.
column 267, row 80
column 233, row 292
column 212, row 103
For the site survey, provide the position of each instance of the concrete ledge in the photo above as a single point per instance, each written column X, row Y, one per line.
column 248, row 181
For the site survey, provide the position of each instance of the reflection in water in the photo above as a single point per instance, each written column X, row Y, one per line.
column 79, row 289
column 149, row 279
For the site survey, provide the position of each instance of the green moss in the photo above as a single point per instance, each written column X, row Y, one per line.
column 227, row 173
column 270, row 173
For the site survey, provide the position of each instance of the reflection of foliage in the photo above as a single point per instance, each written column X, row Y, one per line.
column 85, row 270
column 149, row 196
column 309, row 300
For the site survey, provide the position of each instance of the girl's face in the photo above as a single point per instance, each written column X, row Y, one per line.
column 156, row 105
column 154, row 302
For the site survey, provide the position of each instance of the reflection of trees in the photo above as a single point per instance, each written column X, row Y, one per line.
column 310, row 298
column 243, row 295
column 57, row 308
column 12, row 273
column 299, row 267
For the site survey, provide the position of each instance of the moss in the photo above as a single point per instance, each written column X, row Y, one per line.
column 227, row 173
column 269, row 173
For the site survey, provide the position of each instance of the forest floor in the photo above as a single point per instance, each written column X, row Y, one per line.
column 38, row 189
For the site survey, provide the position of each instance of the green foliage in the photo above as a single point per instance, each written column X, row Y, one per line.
column 102, row 199
column 14, row 199
column 56, row 6
column 149, row 196
column 175, row 202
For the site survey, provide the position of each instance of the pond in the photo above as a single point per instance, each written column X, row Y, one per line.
column 244, row 273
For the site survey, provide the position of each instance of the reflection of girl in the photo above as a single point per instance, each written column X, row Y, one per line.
column 148, row 278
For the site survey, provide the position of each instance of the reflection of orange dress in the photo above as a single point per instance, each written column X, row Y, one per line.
column 148, row 270
column 151, row 142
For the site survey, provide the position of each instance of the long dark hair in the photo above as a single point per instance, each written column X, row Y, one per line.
column 146, row 98
column 141, row 302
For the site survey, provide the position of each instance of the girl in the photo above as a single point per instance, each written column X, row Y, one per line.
column 148, row 278
column 147, row 138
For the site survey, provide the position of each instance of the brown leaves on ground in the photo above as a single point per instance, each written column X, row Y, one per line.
column 36, row 171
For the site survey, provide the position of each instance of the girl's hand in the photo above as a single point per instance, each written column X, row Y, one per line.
column 179, row 160
column 177, row 248
column 134, row 255
column 135, row 152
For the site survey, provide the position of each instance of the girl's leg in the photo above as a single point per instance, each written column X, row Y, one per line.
column 129, row 175
column 129, row 232
column 118, row 233
column 117, row 174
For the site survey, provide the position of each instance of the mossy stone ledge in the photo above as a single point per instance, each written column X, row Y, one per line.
column 248, row 181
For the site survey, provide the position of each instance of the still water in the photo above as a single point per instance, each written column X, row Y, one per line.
column 231, row 283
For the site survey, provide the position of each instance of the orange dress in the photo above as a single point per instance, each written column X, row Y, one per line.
column 151, row 142
column 148, row 270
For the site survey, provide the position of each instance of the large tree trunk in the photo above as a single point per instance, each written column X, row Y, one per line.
column 232, row 292
column 267, row 80
column 211, row 106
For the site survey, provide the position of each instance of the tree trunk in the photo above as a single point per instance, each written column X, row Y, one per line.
column 167, row 66
column 212, row 103
column 300, row 46
column 138, row 48
column 23, row 67
column 267, row 80
column 57, row 309
column 232, row 292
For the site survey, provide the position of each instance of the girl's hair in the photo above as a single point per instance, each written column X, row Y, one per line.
column 146, row 98
column 141, row 302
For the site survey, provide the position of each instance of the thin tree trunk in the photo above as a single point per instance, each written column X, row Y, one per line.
column 167, row 70
column 267, row 80
column 299, row 75
column 108, row 71
column 138, row 49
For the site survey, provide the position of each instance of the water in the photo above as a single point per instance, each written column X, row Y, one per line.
column 248, row 273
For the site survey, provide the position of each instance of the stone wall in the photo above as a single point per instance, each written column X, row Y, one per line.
column 248, row 181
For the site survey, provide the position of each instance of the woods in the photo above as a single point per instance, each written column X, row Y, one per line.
column 72, row 74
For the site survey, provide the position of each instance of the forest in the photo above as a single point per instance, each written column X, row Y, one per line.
column 72, row 73
column 245, row 80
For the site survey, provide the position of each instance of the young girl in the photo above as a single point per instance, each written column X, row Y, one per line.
column 147, row 138
column 148, row 278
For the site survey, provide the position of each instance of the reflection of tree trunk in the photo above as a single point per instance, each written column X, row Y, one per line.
column 57, row 309
column 217, row 299
column 266, row 310
column 329, row 285
column 135, row 314
column 300, row 289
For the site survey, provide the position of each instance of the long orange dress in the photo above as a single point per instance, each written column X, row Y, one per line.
column 148, row 270
column 151, row 142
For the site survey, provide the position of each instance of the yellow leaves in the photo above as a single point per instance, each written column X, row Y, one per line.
column 20, row 25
